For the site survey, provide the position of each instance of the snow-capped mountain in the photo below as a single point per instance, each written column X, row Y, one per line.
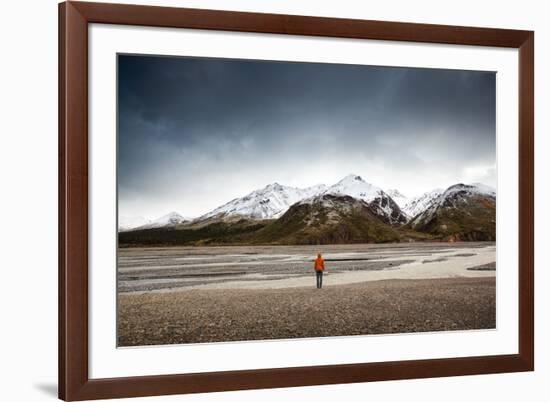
column 418, row 204
column 463, row 210
column 170, row 219
column 352, row 210
column 269, row 202
column 131, row 222
column 274, row 200
column 398, row 197
column 126, row 223
column 354, row 186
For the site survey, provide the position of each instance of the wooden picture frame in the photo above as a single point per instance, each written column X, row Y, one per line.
column 74, row 381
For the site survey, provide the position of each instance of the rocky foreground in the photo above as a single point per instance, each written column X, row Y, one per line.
column 376, row 307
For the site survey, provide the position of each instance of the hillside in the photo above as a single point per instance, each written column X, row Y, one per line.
column 216, row 233
column 460, row 213
column 328, row 219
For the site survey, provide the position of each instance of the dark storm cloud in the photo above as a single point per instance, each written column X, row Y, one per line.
column 189, row 126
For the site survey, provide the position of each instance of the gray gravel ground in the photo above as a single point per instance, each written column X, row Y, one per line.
column 377, row 307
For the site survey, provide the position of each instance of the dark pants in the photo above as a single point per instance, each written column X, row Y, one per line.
column 319, row 275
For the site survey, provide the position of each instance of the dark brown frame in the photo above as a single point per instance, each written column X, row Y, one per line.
column 74, row 383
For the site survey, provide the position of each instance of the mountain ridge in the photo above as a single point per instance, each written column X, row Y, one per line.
column 277, row 214
column 273, row 200
column 461, row 212
column 269, row 202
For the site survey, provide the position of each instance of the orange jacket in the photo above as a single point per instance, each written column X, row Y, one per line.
column 319, row 264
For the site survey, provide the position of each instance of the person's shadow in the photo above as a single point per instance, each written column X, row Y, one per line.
column 48, row 389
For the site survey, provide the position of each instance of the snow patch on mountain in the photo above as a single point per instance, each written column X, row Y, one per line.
column 126, row 223
column 419, row 204
column 481, row 188
column 453, row 197
column 170, row 219
column 398, row 197
column 269, row 202
column 354, row 186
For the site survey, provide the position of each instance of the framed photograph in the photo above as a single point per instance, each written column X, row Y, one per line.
column 259, row 200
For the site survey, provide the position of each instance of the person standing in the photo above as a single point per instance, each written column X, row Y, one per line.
column 319, row 268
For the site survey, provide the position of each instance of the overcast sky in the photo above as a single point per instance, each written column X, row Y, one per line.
column 195, row 133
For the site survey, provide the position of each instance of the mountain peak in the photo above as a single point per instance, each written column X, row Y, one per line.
column 355, row 186
column 478, row 188
column 170, row 215
column 395, row 193
column 484, row 188
column 171, row 218
column 275, row 185
column 351, row 178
